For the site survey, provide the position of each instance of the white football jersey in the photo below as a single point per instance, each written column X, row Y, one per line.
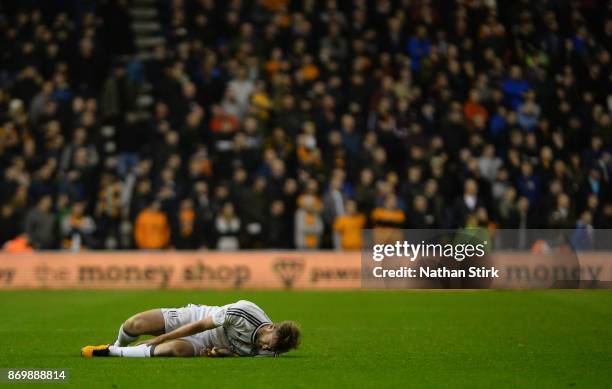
column 240, row 322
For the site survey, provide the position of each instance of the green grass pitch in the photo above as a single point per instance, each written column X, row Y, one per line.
column 350, row 339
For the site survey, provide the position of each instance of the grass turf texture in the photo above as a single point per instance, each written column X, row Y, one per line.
column 351, row 339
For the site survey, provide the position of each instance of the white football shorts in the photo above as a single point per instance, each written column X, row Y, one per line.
column 177, row 317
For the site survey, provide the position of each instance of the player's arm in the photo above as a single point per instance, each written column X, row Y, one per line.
column 186, row 330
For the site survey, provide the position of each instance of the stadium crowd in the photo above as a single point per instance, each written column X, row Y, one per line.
column 295, row 124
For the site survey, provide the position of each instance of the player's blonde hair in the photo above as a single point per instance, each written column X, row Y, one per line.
column 288, row 336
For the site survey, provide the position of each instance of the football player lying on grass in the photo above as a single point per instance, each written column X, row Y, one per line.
column 238, row 329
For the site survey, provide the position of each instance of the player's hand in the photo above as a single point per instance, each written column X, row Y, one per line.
column 208, row 352
column 215, row 352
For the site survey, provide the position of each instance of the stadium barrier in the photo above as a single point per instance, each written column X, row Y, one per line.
column 173, row 269
column 257, row 270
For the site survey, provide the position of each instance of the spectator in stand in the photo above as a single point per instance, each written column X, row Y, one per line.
column 19, row 244
column 514, row 88
column 583, row 237
column 333, row 200
column 151, row 229
column 528, row 183
column 418, row 47
column 308, row 224
column 276, row 232
column 422, row 217
column 78, row 229
column 348, row 228
column 240, row 89
column 108, row 210
column 228, row 228
column 473, row 110
column 489, row 163
column 387, row 219
column 40, row 225
column 528, row 115
column 562, row 216
column 389, row 216
column 186, row 230
column 468, row 203
column 9, row 223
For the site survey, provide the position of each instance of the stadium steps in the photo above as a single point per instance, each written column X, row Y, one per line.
column 143, row 12
column 148, row 27
column 107, row 131
column 144, row 55
column 144, row 101
column 148, row 33
column 149, row 41
column 147, row 87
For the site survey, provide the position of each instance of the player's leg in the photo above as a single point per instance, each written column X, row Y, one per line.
column 174, row 348
column 150, row 322
column 154, row 322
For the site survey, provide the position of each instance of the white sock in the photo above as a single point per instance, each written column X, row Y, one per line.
column 124, row 339
column 140, row 351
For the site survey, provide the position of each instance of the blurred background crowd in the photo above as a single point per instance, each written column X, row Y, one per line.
column 295, row 124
